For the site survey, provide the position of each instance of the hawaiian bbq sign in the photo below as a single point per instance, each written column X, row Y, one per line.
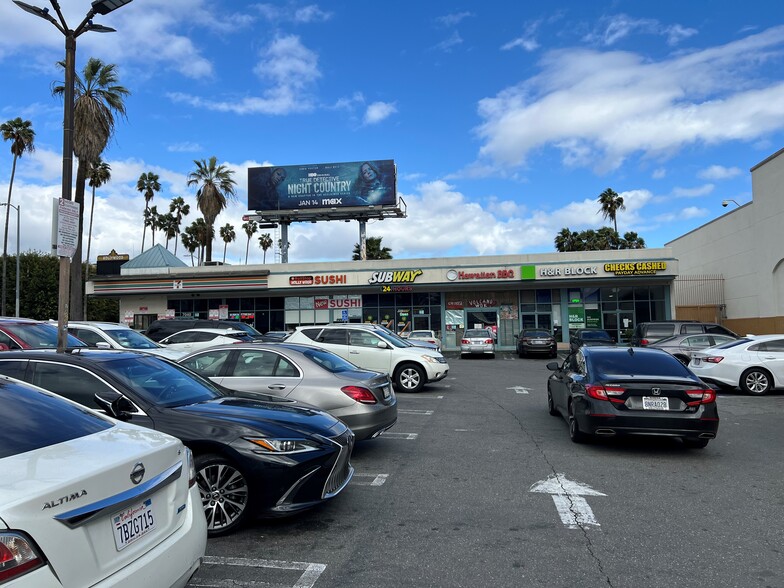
column 499, row 274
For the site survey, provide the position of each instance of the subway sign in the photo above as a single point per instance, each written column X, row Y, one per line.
column 395, row 277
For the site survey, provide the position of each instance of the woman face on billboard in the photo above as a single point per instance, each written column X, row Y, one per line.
column 278, row 175
column 367, row 172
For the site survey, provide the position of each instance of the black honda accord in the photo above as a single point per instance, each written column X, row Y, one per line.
column 609, row 391
column 253, row 457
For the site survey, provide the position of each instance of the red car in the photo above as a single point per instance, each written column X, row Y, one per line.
column 20, row 333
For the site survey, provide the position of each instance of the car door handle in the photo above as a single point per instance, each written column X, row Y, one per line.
column 276, row 387
column 354, row 352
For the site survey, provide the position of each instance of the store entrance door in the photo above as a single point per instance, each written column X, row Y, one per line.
column 421, row 322
column 618, row 323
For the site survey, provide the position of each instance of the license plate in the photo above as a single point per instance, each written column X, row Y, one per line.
column 537, row 342
column 387, row 391
column 133, row 523
column 654, row 403
column 695, row 360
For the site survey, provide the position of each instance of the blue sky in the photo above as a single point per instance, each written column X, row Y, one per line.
column 506, row 119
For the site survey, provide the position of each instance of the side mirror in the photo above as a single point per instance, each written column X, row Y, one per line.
column 382, row 345
column 120, row 408
column 102, row 345
column 553, row 366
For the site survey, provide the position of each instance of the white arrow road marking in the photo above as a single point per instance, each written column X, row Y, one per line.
column 569, row 502
column 415, row 411
column 378, row 479
column 520, row 389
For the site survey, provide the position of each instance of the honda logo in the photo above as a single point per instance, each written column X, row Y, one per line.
column 656, row 391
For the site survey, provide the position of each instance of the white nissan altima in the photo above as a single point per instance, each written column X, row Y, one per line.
column 89, row 501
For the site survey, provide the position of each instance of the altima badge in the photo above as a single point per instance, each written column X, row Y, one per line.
column 138, row 473
column 656, row 391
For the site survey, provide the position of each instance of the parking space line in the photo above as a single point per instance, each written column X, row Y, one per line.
column 439, row 397
column 406, row 436
column 378, row 479
column 414, row 411
column 310, row 571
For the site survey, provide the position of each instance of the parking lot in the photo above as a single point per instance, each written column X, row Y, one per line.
column 477, row 485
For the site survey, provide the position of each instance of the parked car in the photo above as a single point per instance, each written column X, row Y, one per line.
column 650, row 332
column 400, row 338
column 252, row 456
column 21, row 333
column 609, row 391
column 103, row 335
column 273, row 336
column 89, row 501
column 477, row 342
column 754, row 364
column 193, row 339
column 362, row 399
column 591, row 337
column 426, row 336
column 161, row 328
column 683, row 346
column 409, row 367
column 536, row 341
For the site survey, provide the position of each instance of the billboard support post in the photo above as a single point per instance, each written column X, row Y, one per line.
column 363, row 240
column 284, row 242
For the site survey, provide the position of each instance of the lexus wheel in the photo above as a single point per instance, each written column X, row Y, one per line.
column 409, row 378
column 224, row 494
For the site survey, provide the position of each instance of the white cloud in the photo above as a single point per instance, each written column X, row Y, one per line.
column 659, row 173
column 305, row 14
column 378, row 111
column 452, row 41
column 617, row 27
column 600, row 108
column 527, row 40
column 719, row 172
column 185, row 147
column 697, row 192
column 689, row 212
column 450, row 20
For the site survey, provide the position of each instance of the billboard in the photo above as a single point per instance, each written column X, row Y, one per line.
column 322, row 185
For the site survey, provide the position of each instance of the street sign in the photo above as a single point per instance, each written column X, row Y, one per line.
column 67, row 227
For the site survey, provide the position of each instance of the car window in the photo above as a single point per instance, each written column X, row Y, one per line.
column 70, row 381
column 202, row 337
column 334, row 336
column 130, row 339
column 734, row 343
column 40, row 420
column 719, row 339
column 329, row 361
column 774, row 345
column 649, row 364
column 697, row 341
column 664, row 330
column 719, row 330
column 692, row 328
column 4, row 338
column 181, row 338
column 208, row 363
column 311, row 333
column 92, row 339
column 40, row 335
column 363, row 338
column 595, row 336
column 15, row 368
column 543, row 334
column 256, row 363
column 477, row 334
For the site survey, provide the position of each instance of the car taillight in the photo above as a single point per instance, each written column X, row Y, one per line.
column 712, row 359
column 191, row 467
column 359, row 394
column 488, row 341
column 465, row 342
column 18, row 556
column 610, row 393
column 701, row 396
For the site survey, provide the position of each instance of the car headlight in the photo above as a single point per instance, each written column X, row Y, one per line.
column 282, row 446
column 430, row 359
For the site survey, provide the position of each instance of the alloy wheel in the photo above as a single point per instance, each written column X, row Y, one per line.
column 224, row 495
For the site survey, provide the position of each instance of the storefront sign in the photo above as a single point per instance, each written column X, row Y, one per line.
column 325, row 280
column 500, row 274
column 388, row 289
column 481, row 303
column 641, row 268
column 114, row 256
column 300, row 280
column 395, row 277
column 454, row 305
column 326, row 303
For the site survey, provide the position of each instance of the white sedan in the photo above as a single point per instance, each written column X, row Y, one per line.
column 427, row 336
column 195, row 339
column 89, row 501
column 755, row 364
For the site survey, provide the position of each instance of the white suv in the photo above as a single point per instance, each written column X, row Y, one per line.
column 118, row 336
column 409, row 367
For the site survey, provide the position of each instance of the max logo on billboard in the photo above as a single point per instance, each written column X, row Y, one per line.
column 396, row 277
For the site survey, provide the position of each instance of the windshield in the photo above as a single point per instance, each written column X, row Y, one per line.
column 595, row 335
column 162, row 383
column 245, row 327
column 131, row 339
column 638, row 364
column 428, row 334
column 329, row 361
column 478, row 333
column 392, row 339
column 40, row 335
column 536, row 334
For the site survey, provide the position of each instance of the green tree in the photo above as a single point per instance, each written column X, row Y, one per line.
column 228, row 235
column 168, row 224
column 153, row 220
column 148, row 184
column 567, row 240
column 189, row 242
column 373, row 249
column 265, row 242
column 22, row 136
column 215, row 186
column 97, row 98
column 632, row 241
column 179, row 209
column 202, row 234
column 250, row 229
column 100, row 172
column 611, row 204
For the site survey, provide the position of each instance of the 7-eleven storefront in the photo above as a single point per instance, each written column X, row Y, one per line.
column 613, row 290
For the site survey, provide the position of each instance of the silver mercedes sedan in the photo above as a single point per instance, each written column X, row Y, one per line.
column 362, row 399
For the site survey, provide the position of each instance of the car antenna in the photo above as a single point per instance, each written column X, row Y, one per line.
column 631, row 350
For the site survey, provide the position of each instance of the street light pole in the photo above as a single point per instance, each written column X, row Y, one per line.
column 98, row 7
column 18, row 209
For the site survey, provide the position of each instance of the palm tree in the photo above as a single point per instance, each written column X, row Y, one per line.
column 168, row 224
column 97, row 98
column 265, row 242
column 189, row 242
column 607, row 238
column 632, row 241
column 250, row 228
column 567, row 240
column 373, row 249
column 215, row 185
column 202, row 234
column 100, row 172
column 228, row 235
column 611, row 204
column 148, row 185
column 22, row 136
column 179, row 209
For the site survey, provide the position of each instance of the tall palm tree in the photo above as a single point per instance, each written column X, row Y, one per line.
column 373, row 249
column 202, row 234
column 228, row 235
column 148, row 185
column 250, row 228
column 567, row 240
column 179, row 209
column 265, row 242
column 611, row 204
column 189, row 242
column 215, row 186
column 22, row 136
column 97, row 98
column 607, row 238
column 168, row 224
column 99, row 173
